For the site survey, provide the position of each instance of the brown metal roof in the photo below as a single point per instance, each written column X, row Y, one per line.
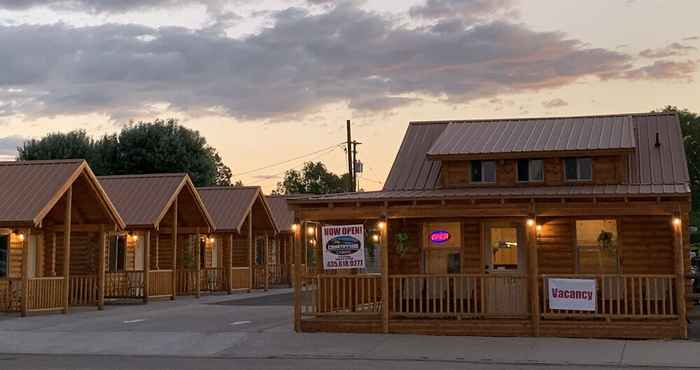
column 143, row 200
column 30, row 189
column 539, row 135
column 650, row 164
column 281, row 213
column 229, row 205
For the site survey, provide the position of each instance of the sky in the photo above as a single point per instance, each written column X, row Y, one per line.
column 270, row 83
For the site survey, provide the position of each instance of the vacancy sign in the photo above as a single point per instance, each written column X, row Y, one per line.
column 572, row 294
column 343, row 247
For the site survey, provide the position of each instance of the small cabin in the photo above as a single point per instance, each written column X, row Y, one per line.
column 563, row 226
column 156, row 255
column 239, row 245
column 54, row 218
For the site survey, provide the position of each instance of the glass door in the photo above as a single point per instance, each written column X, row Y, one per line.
column 504, row 258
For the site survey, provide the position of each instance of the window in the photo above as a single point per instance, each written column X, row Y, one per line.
column 260, row 251
column 483, row 171
column 504, row 248
column 117, row 253
column 530, row 170
column 4, row 246
column 578, row 169
column 596, row 246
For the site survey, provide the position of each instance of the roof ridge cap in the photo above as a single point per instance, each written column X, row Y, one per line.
column 486, row 120
column 145, row 175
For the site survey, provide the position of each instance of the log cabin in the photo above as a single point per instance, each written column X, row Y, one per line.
column 240, row 240
column 502, row 228
column 280, row 253
column 155, row 255
column 54, row 217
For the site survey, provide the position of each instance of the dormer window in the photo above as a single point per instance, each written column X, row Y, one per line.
column 483, row 172
column 578, row 169
column 530, row 170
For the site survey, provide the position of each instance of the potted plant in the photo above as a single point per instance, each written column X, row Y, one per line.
column 606, row 241
column 402, row 243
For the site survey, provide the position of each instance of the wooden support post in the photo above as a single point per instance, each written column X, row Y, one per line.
column 267, row 261
column 157, row 247
column 533, row 274
column 384, row 245
column 297, row 249
column 198, row 264
column 25, row 273
column 251, row 257
column 66, row 250
column 146, row 265
column 174, row 242
column 679, row 248
column 53, row 254
column 228, row 264
column 101, row 269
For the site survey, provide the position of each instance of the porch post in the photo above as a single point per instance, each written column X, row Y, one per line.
column 174, row 242
column 101, row 269
column 251, row 257
column 679, row 249
column 66, row 250
column 25, row 273
column 228, row 264
column 146, row 265
column 198, row 262
column 297, row 248
column 533, row 272
column 53, row 254
column 384, row 232
column 157, row 257
column 267, row 261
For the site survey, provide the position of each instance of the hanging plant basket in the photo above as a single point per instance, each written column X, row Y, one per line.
column 402, row 243
column 606, row 241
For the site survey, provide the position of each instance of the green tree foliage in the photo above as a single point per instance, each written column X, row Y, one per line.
column 145, row 147
column 314, row 178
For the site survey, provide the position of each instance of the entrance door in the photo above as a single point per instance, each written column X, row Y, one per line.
column 504, row 255
column 138, row 253
column 4, row 253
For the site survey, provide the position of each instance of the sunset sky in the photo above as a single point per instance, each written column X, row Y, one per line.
column 268, row 81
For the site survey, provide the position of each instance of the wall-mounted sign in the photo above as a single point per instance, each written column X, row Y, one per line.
column 343, row 247
column 440, row 236
column 572, row 294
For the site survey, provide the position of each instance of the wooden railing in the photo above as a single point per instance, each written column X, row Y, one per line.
column 620, row 297
column 127, row 284
column 10, row 295
column 259, row 277
column 160, row 283
column 186, row 282
column 278, row 274
column 459, row 295
column 324, row 295
column 83, row 290
column 212, row 279
column 45, row 294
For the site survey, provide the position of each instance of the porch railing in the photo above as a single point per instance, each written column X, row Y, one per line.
column 45, row 293
column 83, row 290
column 126, row 284
column 259, row 276
column 279, row 274
column 620, row 297
column 160, row 283
column 10, row 295
column 324, row 295
column 459, row 295
column 186, row 281
column 212, row 279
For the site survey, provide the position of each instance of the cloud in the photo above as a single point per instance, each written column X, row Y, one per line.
column 691, row 38
column 554, row 103
column 469, row 10
column 672, row 50
column 664, row 70
column 96, row 6
column 9, row 144
column 298, row 64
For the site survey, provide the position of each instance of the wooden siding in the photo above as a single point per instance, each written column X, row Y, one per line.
column 646, row 245
column 471, row 247
column 556, row 251
column 240, row 252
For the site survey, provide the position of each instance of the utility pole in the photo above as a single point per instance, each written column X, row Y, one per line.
column 355, row 169
column 351, row 172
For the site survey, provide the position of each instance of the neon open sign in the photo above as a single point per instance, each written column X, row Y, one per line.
column 439, row 236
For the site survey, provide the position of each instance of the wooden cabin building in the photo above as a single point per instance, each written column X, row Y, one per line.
column 237, row 249
column 54, row 217
column 280, row 253
column 155, row 255
column 569, row 226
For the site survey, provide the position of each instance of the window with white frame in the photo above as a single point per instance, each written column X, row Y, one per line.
column 483, row 171
column 596, row 246
column 530, row 170
column 578, row 169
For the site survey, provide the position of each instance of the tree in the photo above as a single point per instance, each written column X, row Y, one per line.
column 141, row 148
column 314, row 178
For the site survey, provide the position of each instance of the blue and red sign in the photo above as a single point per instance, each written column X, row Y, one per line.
column 439, row 236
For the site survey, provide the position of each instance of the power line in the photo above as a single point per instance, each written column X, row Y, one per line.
column 275, row 177
column 288, row 160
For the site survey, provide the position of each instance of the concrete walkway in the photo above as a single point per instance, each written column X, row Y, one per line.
column 263, row 329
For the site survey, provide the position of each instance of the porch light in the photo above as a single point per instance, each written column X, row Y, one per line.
column 375, row 238
column 530, row 222
column 20, row 236
column 211, row 239
column 381, row 225
column 295, row 227
column 677, row 221
column 134, row 237
column 310, row 230
column 539, row 228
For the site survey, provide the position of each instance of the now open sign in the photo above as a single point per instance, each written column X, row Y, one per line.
column 572, row 294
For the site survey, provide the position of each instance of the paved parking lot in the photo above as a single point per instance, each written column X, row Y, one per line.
column 255, row 331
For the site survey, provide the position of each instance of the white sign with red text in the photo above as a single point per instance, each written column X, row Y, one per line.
column 343, row 247
column 572, row 294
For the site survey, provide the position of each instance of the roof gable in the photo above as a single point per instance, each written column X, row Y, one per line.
column 229, row 205
column 281, row 213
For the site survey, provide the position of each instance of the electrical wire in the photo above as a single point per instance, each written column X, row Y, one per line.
column 288, row 160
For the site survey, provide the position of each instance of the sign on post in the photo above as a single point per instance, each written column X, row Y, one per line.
column 572, row 294
column 343, row 247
